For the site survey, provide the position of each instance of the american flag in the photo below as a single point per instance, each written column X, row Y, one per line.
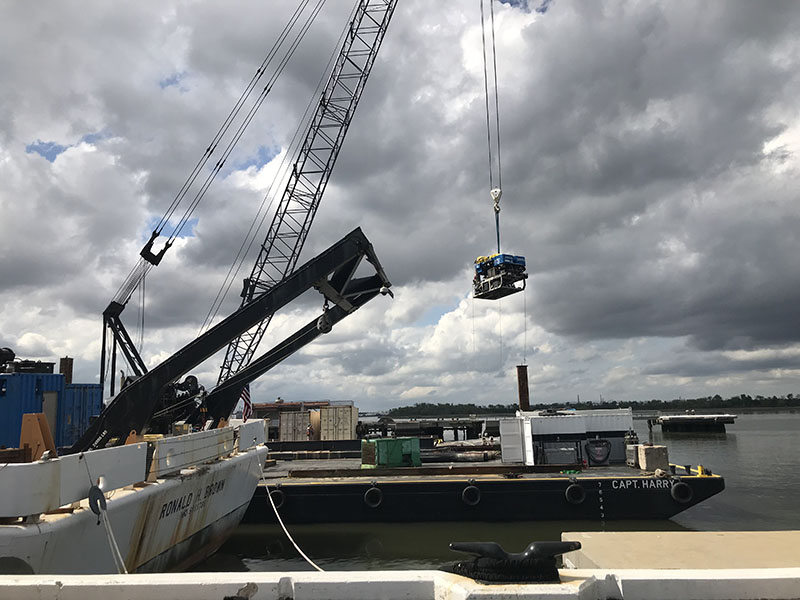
column 247, row 411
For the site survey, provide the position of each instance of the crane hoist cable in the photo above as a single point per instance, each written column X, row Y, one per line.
column 310, row 174
column 245, row 123
column 231, row 117
column 492, row 145
column 498, row 275
column 150, row 259
column 289, row 157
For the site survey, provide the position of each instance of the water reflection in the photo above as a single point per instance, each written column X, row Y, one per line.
column 757, row 457
column 390, row 545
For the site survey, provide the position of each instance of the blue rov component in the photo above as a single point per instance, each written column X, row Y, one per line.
column 508, row 259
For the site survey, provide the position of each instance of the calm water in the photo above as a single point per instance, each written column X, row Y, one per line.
column 759, row 458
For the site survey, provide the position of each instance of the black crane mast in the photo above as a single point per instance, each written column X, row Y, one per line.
column 312, row 169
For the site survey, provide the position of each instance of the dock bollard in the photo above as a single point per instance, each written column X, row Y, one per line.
column 492, row 564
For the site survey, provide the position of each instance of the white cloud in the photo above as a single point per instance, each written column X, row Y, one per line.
column 650, row 159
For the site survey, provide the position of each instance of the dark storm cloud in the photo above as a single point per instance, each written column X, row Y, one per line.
column 715, row 365
column 649, row 177
column 672, row 106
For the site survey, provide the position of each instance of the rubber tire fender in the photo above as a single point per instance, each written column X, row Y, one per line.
column 373, row 497
column 682, row 493
column 471, row 495
column 278, row 497
column 575, row 494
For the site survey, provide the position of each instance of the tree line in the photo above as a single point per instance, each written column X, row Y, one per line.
column 426, row 409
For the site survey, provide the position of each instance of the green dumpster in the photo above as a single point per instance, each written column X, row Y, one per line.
column 390, row 452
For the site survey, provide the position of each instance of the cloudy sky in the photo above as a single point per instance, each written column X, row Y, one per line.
column 650, row 162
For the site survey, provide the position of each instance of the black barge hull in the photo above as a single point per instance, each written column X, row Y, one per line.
column 539, row 498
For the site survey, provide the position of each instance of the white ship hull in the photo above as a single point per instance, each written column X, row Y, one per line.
column 163, row 525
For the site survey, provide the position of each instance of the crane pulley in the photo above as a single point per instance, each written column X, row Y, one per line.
column 497, row 275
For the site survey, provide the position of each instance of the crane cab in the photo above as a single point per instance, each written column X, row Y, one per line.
column 498, row 276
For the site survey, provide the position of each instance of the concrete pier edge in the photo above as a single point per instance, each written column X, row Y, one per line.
column 582, row 584
column 684, row 549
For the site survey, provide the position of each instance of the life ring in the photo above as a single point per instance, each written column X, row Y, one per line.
column 373, row 497
column 471, row 495
column 278, row 498
column 575, row 494
column 681, row 492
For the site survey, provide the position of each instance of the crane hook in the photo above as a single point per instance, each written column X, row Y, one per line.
column 495, row 194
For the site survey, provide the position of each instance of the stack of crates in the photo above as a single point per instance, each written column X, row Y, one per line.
column 390, row 452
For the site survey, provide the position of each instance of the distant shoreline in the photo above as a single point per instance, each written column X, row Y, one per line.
column 736, row 405
column 733, row 410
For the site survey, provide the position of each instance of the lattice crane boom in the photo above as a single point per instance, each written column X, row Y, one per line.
column 312, row 169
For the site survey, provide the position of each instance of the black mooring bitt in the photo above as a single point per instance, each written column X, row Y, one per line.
column 492, row 564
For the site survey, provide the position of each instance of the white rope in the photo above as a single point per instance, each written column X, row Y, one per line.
column 112, row 542
column 286, row 531
column 119, row 562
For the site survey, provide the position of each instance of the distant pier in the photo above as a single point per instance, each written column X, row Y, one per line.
column 692, row 423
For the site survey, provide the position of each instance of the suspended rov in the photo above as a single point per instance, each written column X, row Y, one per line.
column 498, row 275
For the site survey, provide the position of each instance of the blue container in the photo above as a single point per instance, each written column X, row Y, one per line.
column 22, row 393
column 76, row 407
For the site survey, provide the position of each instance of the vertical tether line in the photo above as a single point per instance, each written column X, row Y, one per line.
column 525, row 325
column 473, row 327
column 500, row 327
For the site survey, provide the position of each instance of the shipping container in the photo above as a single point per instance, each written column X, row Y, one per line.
column 338, row 422
column 294, row 426
column 79, row 403
column 22, row 393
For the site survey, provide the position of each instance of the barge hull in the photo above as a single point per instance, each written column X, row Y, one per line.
column 494, row 499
